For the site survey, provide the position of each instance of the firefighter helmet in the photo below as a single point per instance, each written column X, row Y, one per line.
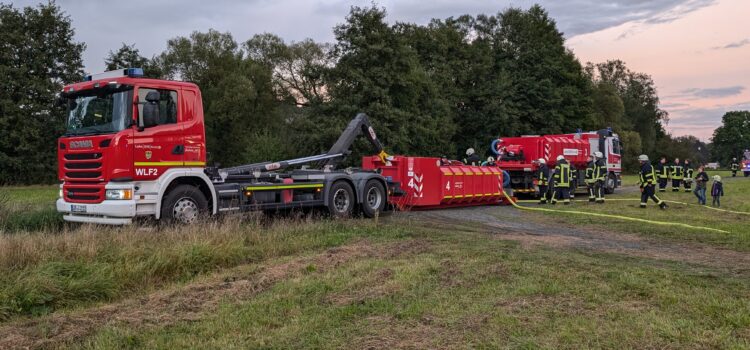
column 469, row 151
column 643, row 158
column 542, row 161
column 598, row 154
column 560, row 157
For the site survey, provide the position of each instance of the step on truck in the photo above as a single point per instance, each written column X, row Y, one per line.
column 136, row 147
column 517, row 156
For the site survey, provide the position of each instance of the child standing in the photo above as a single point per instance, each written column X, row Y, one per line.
column 717, row 190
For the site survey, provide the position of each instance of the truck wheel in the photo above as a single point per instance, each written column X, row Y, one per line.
column 340, row 200
column 609, row 184
column 374, row 199
column 184, row 204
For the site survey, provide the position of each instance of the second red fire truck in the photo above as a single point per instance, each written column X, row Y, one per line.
column 517, row 156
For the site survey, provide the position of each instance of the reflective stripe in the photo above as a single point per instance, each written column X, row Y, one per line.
column 169, row 163
column 282, row 187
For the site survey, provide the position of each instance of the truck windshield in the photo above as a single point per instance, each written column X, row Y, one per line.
column 99, row 111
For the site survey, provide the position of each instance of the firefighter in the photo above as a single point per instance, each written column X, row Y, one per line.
column 735, row 167
column 647, row 180
column 662, row 173
column 562, row 181
column 471, row 157
column 489, row 162
column 542, row 176
column 688, row 170
column 590, row 178
column 600, row 172
column 573, row 182
column 677, row 175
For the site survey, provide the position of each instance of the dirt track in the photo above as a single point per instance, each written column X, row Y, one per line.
column 506, row 222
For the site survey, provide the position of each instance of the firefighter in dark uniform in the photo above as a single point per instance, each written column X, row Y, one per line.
column 542, row 176
column 590, row 178
column 647, row 180
column 562, row 181
column 573, row 182
column 472, row 158
column 688, row 170
column 600, row 172
column 735, row 167
column 662, row 173
column 677, row 175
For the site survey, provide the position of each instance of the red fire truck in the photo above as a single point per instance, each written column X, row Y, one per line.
column 135, row 147
column 517, row 155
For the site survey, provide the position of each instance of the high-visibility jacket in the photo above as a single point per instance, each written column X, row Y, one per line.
column 601, row 170
column 543, row 175
column 562, row 174
column 735, row 166
column 677, row 172
column 647, row 175
column 662, row 170
column 590, row 172
column 688, row 171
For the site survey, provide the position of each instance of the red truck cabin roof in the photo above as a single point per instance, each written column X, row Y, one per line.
column 155, row 83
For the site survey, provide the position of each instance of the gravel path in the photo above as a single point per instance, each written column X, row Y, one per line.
column 506, row 222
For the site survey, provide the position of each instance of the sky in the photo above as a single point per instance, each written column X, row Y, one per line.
column 697, row 51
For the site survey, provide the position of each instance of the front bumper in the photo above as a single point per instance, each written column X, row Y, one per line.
column 110, row 212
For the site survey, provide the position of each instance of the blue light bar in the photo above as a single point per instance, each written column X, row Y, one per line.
column 134, row 72
column 127, row 72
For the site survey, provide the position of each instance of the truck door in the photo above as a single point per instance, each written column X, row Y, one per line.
column 159, row 146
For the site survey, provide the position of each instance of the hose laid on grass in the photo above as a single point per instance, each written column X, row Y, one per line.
column 636, row 199
column 627, row 218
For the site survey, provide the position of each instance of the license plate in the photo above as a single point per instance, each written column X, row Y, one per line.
column 78, row 208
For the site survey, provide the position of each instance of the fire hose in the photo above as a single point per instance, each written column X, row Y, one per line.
column 620, row 217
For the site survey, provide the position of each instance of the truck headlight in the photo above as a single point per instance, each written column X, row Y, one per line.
column 119, row 194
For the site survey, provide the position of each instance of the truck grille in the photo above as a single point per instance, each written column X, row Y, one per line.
column 83, row 166
column 83, row 175
column 82, row 156
column 83, row 193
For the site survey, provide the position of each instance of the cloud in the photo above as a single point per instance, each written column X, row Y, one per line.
column 701, row 122
column 669, row 14
column 714, row 92
column 149, row 24
column 733, row 45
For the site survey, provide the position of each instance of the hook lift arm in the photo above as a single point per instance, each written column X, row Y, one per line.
column 337, row 152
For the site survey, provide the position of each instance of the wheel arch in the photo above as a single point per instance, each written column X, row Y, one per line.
column 362, row 179
column 193, row 177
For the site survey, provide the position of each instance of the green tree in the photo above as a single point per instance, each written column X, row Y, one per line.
column 640, row 101
column 239, row 103
column 378, row 72
column 128, row 56
column 732, row 137
column 38, row 55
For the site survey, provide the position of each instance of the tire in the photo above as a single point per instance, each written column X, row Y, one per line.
column 373, row 199
column 341, row 200
column 610, row 184
column 184, row 204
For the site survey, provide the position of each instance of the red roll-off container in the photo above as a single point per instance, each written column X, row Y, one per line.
column 428, row 184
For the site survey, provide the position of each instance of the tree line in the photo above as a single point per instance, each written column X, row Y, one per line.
column 430, row 90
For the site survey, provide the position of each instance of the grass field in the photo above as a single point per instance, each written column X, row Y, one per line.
column 404, row 281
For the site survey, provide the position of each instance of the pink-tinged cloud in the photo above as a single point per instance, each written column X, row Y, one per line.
column 700, row 61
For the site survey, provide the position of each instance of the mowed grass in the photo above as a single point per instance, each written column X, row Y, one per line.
column 626, row 203
column 468, row 290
